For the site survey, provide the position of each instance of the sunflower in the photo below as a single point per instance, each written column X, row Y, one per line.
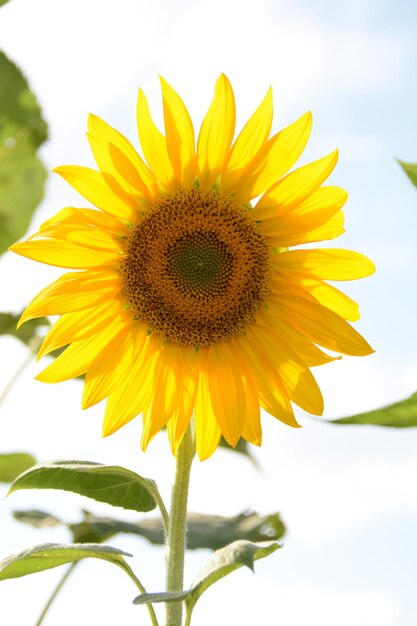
column 186, row 295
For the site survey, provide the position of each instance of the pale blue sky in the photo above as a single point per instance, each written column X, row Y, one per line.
column 347, row 494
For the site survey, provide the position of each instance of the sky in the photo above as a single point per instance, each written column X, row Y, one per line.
column 347, row 494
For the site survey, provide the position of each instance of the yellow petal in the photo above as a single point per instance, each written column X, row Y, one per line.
column 302, row 345
column 226, row 391
column 322, row 326
column 116, row 155
column 77, row 358
column 326, row 263
column 252, row 430
column 92, row 238
column 323, row 198
column 296, row 186
column 74, row 326
column 65, row 254
column 73, row 291
column 252, row 137
column 208, row 432
column 315, row 218
column 86, row 217
column 273, row 160
column 179, row 136
column 294, row 230
column 183, row 361
column 153, row 143
column 296, row 378
column 111, row 366
column 216, row 133
column 136, row 394
column 332, row 298
column 94, row 186
column 273, row 398
column 330, row 230
column 164, row 403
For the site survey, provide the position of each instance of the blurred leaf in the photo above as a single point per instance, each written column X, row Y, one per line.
column 22, row 175
column 47, row 555
column 401, row 414
column 3, row 2
column 219, row 565
column 99, row 529
column 25, row 333
column 242, row 447
column 38, row 519
column 410, row 169
column 114, row 485
column 214, row 531
column 13, row 464
column 19, row 110
column 203, row 531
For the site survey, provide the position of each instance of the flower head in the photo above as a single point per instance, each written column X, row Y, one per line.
column 187, row 295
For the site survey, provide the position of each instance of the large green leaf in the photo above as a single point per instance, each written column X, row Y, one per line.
column 219, row 565
column 115, row 485
column 13, row 464
column 411, row 170
column 22, row 175
column 401, row 414
column 48, row 555
column 203, row 531
column 26, row 333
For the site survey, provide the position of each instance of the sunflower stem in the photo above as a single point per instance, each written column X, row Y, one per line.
column 177, row 529
column 55, row 593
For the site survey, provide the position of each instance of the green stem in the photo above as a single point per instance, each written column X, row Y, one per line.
column 65, row 577
column 188, row 617
column 34, row 346
column 142, row 589
column 162, row 509
column 55, row 593
column 178, row 525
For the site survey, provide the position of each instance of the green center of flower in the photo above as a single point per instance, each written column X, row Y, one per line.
column 196, row 268
column 200, row 262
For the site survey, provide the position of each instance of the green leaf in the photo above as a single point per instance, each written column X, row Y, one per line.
column 401, row 414
column 26, row 333
column 203, row 531
column 13, row 464
column 162, row 596
column 215, row 531
column 410, row 169
column 219, row 565
column 48, row 555
column 98, row 529
column 227, row 560
column 39, row 519
column 2, row 2
column 115, row 485
column 22, row 175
